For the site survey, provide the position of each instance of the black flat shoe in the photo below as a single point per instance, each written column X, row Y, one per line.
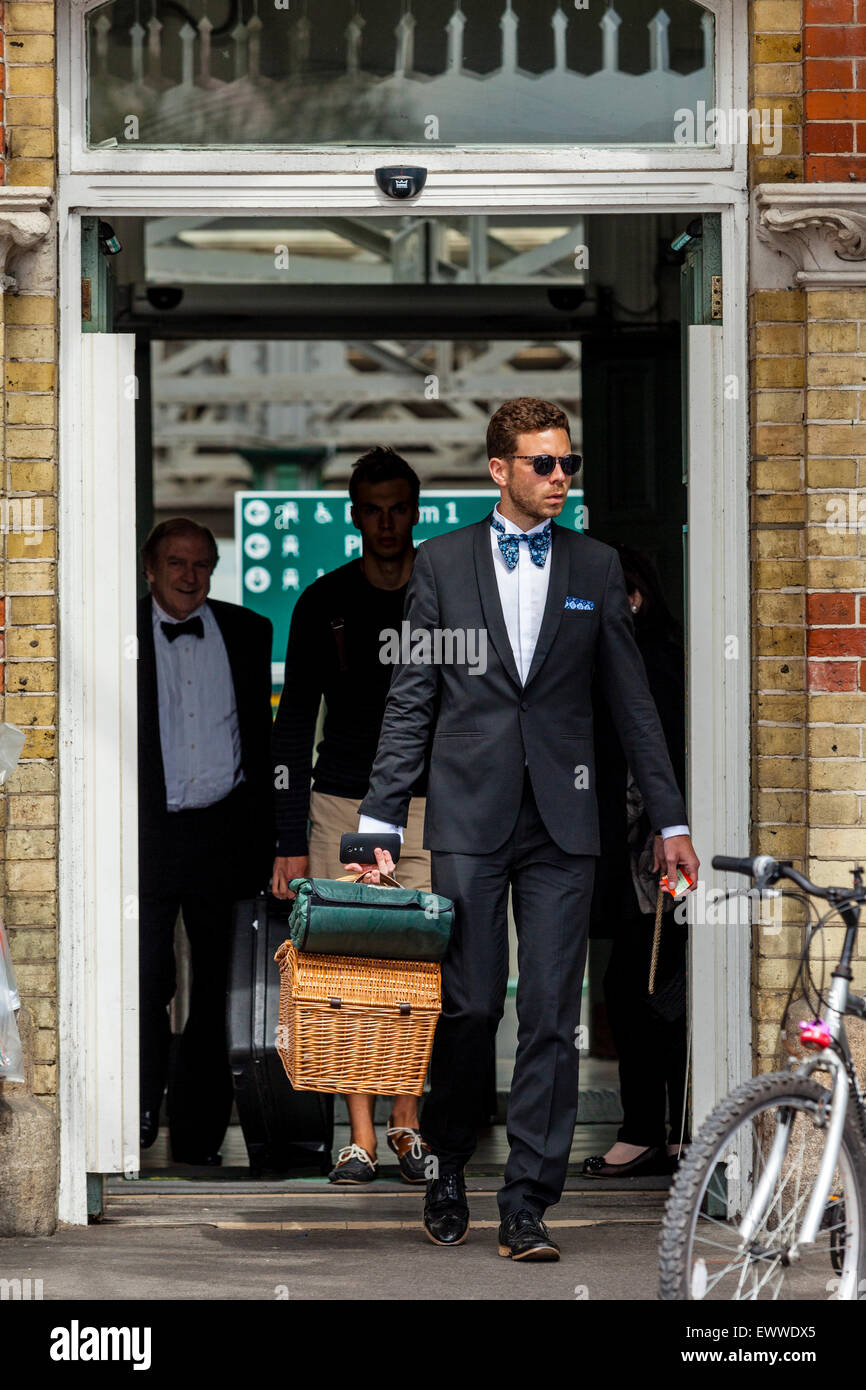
column 446, row 1210
column 524, row 1236
column 652, row 1163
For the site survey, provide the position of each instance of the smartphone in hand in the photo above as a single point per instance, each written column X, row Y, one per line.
column 359, row 849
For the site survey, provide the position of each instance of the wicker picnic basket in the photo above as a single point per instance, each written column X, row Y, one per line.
column 350, row 1023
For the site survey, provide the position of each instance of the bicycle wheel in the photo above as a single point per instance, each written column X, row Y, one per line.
column 701, row 1255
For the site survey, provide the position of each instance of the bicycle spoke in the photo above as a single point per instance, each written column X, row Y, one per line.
column 717, row 1266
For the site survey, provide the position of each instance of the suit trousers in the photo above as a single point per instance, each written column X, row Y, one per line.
column 551, row 895
column 195, row 862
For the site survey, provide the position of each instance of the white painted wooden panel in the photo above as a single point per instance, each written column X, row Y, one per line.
column 108, row 674
column 718, row 734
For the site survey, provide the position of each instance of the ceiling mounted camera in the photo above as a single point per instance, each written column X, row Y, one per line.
column 401, row 182
column 164, row 297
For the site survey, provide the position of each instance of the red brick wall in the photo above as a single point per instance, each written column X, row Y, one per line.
column 834, row 85
column 836, row 641
column 834, row 147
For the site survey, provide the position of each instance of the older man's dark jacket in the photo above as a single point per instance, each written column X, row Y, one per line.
column 248, row 641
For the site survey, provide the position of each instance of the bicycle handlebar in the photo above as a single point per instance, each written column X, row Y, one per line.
column 733, row 866
column 769, row 870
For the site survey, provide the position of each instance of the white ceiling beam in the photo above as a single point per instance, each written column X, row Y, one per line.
column 530, row 263
column 171, row 264
column 158, row 230
column 309, row 388
column 349, row 434
column 189, row 356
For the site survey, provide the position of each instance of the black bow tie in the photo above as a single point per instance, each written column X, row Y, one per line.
column 193, row 626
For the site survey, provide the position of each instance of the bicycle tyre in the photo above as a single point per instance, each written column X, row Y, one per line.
column 693, row 1173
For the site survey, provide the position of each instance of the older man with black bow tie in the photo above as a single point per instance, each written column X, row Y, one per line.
column 205, row 820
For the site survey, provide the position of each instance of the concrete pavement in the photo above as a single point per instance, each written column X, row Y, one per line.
column 231, row 1241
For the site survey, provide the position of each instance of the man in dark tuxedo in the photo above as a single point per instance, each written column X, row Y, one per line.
column 205, row 820
column 511, row 799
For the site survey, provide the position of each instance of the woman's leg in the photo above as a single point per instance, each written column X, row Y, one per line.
column 330, row 817
column 404, row 1111
column 361, row 1120
column 637, row 1038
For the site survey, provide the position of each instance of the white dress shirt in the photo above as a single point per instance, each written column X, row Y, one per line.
column 198, row 719
column 523, row 594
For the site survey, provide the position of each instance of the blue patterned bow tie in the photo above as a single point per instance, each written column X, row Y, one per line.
column 539, row 544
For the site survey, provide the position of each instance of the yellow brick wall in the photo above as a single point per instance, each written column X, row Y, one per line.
column 776, row 82
column 28, row 802
column 808, row 609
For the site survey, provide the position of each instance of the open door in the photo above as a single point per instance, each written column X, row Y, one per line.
column 108, row 680
column 713, row 663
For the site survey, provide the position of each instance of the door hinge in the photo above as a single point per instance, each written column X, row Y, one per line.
column 86, row 300
column 716, row 297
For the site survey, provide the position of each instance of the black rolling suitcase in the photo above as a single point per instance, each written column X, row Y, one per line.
column 283, row 1129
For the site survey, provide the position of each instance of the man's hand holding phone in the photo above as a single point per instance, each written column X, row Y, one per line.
column 375, row 851
column 384, row 865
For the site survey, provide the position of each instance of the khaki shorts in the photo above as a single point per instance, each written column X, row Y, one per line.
column 333, row 816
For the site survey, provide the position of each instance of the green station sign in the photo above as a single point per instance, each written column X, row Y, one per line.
column 286, row 540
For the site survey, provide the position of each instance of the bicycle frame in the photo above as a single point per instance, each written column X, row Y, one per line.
column 834, row 1060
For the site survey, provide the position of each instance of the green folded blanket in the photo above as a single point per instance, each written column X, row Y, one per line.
column 337, row 917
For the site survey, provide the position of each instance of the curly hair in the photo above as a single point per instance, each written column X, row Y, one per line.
column 524, row 415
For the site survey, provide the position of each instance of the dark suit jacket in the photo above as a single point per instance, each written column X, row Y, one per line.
column 486, row 726
column 248, row 638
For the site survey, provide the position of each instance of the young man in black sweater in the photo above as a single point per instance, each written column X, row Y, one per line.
column 336, row 651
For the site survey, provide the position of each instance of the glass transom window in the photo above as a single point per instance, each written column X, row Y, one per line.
column 201, row 73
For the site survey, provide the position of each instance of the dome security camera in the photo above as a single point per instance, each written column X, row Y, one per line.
column 401, row 181
column 164, row 297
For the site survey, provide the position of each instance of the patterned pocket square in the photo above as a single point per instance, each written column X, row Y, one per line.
column 579, row 603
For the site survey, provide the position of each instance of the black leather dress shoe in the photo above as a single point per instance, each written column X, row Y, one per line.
column 446, row 1211
column 652, row 1163
column 149, row 1128
column 524, row 1236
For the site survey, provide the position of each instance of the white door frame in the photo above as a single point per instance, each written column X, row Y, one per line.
column 344, row 185
column 720, row 956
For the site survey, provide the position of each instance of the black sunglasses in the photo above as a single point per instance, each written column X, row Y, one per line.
column 544, row 464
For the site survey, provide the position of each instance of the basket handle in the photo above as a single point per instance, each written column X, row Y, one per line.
column 386, row 881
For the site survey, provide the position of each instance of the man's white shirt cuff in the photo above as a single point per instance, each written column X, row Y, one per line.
column 668, row 830
column 367, row 825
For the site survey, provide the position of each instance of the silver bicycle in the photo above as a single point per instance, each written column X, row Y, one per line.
column 769, row 1200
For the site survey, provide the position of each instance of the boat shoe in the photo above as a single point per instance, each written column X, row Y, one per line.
column 354, row 1165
